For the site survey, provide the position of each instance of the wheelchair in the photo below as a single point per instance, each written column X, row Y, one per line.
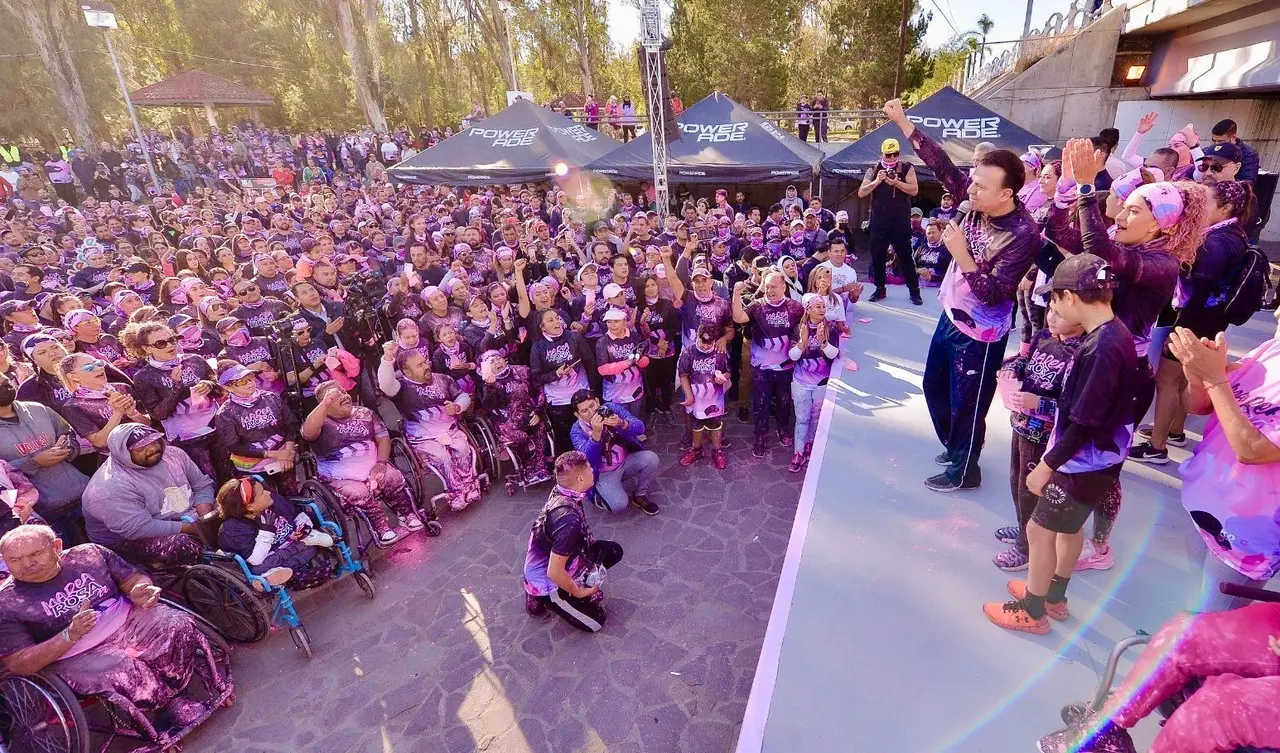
column 40, row 712
column 1073, row 712
column 502, row 460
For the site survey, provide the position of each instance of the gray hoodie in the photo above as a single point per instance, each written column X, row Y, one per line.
column 37, row 429
column 126, row 502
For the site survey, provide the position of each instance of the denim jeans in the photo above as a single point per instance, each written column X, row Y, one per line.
column 1216, row 572
column 959, row 383
column 806, row 400
column 770, row 394
column 634, row 477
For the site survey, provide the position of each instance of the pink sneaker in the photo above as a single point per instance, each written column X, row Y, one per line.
column 1090, row 559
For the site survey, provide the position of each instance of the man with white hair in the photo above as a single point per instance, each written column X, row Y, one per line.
column 96, row 620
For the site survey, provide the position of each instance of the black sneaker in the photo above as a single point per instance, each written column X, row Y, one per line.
column 916, row 299
column 784, row 438
column 943, row 483
column 533, row 605
column 1145, row 453
column 744, row 415
column 642, row 503
column 758, row 449
column 943, row 458
column 1177, row 440
column 879, row 295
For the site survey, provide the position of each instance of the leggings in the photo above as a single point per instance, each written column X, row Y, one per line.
column 1104, row 517
column 659, row 383
column 771, row 394
column 453, row 456
column 1024, row 456
column 358, row 495
column 1226, row 648
column 562, row 418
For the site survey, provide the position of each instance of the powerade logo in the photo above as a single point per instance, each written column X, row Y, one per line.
column 961, row 128
column 772, row 131
column 479, row 177
column 691, row 172
column 716, row 134
column 784, row 172
column 505, row 138
column 578, row 133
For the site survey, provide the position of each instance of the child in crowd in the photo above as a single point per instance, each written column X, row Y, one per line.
column 1086, row 450
column 704, row 374
column 1032, row 407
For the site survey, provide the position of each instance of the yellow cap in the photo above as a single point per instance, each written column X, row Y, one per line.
column 888, row 146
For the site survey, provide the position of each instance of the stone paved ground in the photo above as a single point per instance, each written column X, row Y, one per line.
column 445, row 658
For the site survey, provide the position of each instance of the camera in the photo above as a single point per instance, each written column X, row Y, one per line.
column 605, row 411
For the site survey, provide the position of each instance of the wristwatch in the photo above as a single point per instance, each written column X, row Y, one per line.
column 1085, row 189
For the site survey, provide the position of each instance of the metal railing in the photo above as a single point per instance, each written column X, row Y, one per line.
column 856, row 123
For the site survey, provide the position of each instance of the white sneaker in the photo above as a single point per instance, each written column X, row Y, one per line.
column 413, row 522
column 276, row 576
column 387, row 536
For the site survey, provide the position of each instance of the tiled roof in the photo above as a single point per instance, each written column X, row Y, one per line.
column 197, row 88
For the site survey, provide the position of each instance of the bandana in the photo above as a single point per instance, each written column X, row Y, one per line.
column 246, row 401
column 1165, row 202
column 1124, row 185
column 238, row 338
column 87, row 394
column 179, row 296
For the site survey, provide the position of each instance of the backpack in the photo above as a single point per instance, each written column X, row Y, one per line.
column 1249, row 287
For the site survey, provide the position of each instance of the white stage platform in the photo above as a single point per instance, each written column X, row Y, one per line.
column 877, row 641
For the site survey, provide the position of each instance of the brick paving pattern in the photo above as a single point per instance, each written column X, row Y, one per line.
column 446, row 659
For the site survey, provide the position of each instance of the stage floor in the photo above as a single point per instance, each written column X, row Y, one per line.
column 877, row 641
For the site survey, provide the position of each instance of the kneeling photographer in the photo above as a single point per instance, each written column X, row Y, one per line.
column 611, row 439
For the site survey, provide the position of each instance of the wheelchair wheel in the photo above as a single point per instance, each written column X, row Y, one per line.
column 41, row 712
column 332, row 510
column 425, row 483
column 490, row 448
column 226, row 602
column 302, row 641
column 479, row 465
column 366, row 584
column 434, row 528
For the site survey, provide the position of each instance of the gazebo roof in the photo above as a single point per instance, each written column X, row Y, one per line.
column 198, row 88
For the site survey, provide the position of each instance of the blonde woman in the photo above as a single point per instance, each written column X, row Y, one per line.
column 96, row 405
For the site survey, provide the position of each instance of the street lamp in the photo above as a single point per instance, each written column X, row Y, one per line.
column 102, row 15
column 505, row 7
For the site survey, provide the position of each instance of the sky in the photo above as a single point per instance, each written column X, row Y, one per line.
column 624, row 18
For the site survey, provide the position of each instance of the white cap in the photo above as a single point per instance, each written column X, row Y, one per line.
column 615, row 315
column 612, row 289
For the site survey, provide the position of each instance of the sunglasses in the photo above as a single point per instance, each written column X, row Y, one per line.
column 163, row 343
column 1213, row 167
column 92, row 366
column 891, row 154
column 246, row 289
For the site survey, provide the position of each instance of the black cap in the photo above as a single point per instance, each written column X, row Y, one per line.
column 1078, row 273
column 1225, row 152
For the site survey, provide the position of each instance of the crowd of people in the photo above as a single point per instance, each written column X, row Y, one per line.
column 172, row 366
column 171, row 359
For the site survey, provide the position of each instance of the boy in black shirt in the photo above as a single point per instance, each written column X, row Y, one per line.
column 1090, row 439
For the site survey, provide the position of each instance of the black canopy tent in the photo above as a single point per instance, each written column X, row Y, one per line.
column 522, row 144
column 721, row 142
column 948, row 117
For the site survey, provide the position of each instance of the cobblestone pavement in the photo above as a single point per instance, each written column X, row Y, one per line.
column 445, row 658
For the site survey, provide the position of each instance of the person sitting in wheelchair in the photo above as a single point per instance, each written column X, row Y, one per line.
column 430, row 404
column 276, row 539
column 96, row 621
column 353, row 452
column 510, row 403
column 145, row 500
column 1236, row 654
column 455, row 358
column 254, row 428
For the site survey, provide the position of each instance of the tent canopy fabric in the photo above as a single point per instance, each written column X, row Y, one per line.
column 721, row 142
column 948, row 117
column 522, row 144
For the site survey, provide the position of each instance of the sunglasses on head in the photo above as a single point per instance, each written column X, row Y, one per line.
column 162, row 343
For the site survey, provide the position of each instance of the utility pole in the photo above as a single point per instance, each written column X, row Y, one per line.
column 902, row 49
column 1026, row 22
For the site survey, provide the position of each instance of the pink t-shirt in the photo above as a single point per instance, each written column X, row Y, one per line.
column 1237, row 506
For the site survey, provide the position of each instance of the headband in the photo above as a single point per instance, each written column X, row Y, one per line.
column 1124, row 185
column 246, row 490
column 1165, row 202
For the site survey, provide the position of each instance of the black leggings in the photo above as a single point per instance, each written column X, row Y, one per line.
column 562, row 418
column 628, row 133
column 659, row 383
column 586, row 614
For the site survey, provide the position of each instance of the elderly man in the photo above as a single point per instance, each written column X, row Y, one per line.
column 97, row 622
column 145, row 500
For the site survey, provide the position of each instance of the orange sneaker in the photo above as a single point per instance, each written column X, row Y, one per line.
column 1018, row 590
column 1012, row 616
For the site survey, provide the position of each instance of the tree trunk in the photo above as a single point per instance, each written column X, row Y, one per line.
column 493, row 30
column 353, row 44
column 44, row 23
column 370, row 32
column 584, row 46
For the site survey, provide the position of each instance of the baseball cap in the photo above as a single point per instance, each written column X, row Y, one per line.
column 842, row 215
column 1078, row 273
column 889, row 146
column 1224, row 152
column 555, row 264
column 917, row 212
column 611, row 290
column 14, row 304
column 226, row 323
column 700, row 272
column 615, row 315
column 141, row 436
column 177, row 321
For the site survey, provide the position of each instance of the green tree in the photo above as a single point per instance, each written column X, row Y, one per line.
column 947, row 61
column 718, row 48
column 861, row 49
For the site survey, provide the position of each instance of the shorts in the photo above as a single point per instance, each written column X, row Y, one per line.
column 712, row 423
column 1058, row 511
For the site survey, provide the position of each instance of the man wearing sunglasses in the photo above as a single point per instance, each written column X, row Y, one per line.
column 891, row 184
column 1220, row 162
